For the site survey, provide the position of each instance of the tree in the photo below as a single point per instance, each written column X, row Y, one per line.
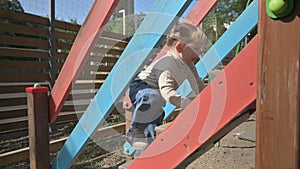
column 11, row 5
column 225, row 12
column 115, row 24
column 221, row 17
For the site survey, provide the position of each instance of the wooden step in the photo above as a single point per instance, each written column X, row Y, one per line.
column 161, row 128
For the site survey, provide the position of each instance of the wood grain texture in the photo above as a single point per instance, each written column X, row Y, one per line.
column 278, row 110
column 38, row 116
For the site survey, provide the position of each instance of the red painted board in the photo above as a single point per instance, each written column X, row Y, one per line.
column 36, row 89
column 200, row 11
column 195, row 17
column 227, row 95
column 84, row 43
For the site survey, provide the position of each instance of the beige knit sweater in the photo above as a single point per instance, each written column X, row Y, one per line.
column 167, row 74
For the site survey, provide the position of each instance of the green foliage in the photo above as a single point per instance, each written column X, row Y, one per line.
column 115, row 24
column 225, row 12
column 222, row 15
column 74, row 21
column 11, row 5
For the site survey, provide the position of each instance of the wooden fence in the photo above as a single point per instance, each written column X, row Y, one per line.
column 24, row 60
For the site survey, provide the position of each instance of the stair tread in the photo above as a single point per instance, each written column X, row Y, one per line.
column 162, row 128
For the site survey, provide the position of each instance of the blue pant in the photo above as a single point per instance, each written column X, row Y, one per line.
column 148, row 112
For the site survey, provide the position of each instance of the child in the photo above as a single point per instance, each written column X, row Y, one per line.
column 158, row 82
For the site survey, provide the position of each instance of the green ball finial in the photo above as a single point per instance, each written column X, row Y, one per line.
column 36, row 85
column 278, row 6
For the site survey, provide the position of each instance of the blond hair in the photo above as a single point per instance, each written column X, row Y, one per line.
column 188, row 34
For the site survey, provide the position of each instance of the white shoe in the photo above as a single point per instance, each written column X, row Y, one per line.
column 140, row 144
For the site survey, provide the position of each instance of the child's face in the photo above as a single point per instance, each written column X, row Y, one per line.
column 190, row 54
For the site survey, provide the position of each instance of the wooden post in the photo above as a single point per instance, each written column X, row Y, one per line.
column 38, row 120
column 278, row 92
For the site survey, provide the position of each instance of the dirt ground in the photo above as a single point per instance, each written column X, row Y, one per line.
column 233, row 153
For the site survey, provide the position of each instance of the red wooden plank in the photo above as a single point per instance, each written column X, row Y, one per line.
column 227, row 95
column 84, row 43
column 200, row 11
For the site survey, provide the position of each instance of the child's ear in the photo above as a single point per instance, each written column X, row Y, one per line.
column 179, row 46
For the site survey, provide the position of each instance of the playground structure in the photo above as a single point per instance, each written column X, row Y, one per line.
column 238, row 79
